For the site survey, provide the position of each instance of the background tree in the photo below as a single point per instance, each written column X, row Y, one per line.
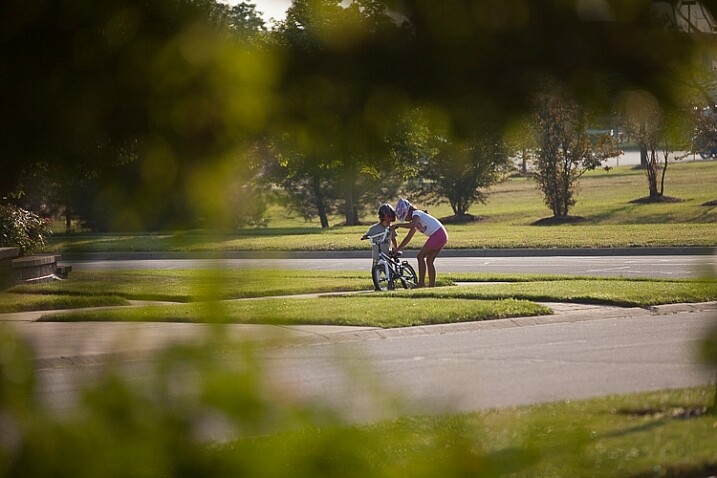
column 520, row 139
column 566, row 151
column 660, row 132
column 333, row 109
column 458, row 171
column 704, row 119
column 242, row 19
column 306, row 184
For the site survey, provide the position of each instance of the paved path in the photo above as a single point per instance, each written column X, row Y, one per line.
column 58, row 343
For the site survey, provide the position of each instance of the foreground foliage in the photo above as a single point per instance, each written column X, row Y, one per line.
column 229, row 420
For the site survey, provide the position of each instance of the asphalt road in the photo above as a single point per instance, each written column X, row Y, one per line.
column 457, row 367
column 659, row 266
column 478, row 368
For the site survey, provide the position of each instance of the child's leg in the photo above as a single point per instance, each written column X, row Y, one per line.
column 373, row 264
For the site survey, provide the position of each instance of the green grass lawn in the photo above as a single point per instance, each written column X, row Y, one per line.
column 607, row 198
column 22, row 302
column 605, row 201
column 201, row 285
column 371, row 311
column 634, row 435
column 513, row 296
column 619, row 292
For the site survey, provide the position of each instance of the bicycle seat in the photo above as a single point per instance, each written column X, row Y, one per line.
column 396, row 254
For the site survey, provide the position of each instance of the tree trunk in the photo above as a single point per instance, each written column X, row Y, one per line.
column 566, row 184
column 68, row 219
column 454, row 206
column 351, row 214
column 662, row 179
column 323, row 217
column 320, row 205
column 643, row 147
column 651, row 171
column 350, row 211
column 348, row 180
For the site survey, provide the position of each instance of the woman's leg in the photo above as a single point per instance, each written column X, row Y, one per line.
column 431, row 268
column 425, row 257
column 433, row 246
column 421, row 270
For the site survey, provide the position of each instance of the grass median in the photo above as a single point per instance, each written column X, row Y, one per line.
column 220, row 292
column 201, row 284
column 603, row 291
column 367, row 311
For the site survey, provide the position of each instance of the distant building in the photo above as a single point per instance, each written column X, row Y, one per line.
column 689, row 16
column 692, row 17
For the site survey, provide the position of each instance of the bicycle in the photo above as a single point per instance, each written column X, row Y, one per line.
column 390, row 269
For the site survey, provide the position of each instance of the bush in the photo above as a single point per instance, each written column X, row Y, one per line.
column 22, row 229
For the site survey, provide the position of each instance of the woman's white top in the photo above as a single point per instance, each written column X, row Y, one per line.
column 427, row 224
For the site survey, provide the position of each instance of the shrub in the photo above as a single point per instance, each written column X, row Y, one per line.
column 22, row 229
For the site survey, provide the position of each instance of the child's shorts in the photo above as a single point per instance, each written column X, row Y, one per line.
column 438, row 239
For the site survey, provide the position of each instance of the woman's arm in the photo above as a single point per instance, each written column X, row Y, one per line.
column 407, row 239
column 409, row 235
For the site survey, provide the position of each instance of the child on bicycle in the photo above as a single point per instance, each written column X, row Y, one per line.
column 431, row 227
column 386, row 215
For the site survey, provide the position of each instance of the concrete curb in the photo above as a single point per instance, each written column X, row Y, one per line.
column 9, row 252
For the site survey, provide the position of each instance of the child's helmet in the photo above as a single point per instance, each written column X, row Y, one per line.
column 402, row 207
column 386, row 210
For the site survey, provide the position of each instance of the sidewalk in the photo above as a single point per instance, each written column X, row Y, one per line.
column 58, row 344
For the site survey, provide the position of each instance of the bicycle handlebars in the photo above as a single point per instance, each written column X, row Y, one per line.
column 377, row 238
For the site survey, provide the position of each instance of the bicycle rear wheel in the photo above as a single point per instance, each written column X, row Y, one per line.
column 380, row 280
column 408, row 276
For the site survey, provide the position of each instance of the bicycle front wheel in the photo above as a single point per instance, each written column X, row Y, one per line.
column 381, row 280
column 408, row 276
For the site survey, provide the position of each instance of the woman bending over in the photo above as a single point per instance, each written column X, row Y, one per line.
column 415, row 219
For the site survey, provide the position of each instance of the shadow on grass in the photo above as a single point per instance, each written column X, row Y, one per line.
column 559, row 221
column 661, row 416
column 679, row 471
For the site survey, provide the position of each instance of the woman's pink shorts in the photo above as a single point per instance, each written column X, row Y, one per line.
column 438, row 239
